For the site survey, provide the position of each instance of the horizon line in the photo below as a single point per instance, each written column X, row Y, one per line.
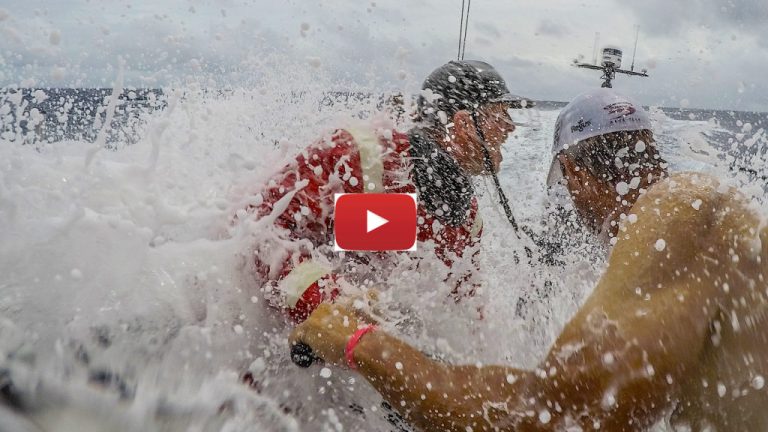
column 160, row 89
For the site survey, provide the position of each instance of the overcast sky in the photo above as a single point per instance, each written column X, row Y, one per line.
column 699, row 53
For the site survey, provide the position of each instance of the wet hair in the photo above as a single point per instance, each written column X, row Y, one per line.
column 618, row 156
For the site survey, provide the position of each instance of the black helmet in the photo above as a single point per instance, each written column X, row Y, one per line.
column 464, row 85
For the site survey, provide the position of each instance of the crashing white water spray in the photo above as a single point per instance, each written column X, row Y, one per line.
column 127, row 300
column 101, row 138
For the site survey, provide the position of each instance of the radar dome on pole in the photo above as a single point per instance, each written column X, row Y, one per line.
column 610, row 64
column 612, row 57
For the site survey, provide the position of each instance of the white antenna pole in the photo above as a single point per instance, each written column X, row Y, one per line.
column 594, row 49
column 637, row 35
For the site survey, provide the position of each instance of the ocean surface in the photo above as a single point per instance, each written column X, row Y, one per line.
column 78, row 114
column 127, row 300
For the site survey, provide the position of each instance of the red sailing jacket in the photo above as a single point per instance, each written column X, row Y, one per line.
column 298, row 201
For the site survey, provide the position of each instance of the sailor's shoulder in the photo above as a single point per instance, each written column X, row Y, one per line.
column 683, row 183
column 687, row 193
column 691, row 205
column 679, row 207
column 667, row 226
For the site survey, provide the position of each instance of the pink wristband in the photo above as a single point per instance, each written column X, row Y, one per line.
column 353, row 341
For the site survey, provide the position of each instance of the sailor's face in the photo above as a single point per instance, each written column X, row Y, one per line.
column 594, row 199
column 496, row 124
column 466, row 144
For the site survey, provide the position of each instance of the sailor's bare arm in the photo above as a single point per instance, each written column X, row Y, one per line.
column 430, row 394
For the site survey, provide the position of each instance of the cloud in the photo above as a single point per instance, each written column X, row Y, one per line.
column 487, row 29
column 710, row 53
column 674, row 17
column 548, row 27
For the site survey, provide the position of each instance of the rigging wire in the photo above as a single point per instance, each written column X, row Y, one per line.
column 461, row 30
column 466, row 29
column 463, row 27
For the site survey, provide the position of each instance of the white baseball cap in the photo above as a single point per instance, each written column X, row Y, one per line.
column 593, row 113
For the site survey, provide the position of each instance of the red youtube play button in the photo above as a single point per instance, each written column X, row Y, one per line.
column 375, row 222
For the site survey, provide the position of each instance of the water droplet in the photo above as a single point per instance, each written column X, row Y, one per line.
column 545, row 416
column 696, row 204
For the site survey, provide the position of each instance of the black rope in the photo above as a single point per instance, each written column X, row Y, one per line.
column 466, row 28
column 503, row 200
column 461, row 30
column 491, row 169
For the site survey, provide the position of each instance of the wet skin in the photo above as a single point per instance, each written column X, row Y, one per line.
column 466, row 145
column 675, row 329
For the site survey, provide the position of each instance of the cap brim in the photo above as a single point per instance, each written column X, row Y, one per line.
column 515, row 101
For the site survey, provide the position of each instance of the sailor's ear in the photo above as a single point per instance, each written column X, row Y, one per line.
column 575, row 177
column 463, row 120
column 571, row 169
column 567, row 166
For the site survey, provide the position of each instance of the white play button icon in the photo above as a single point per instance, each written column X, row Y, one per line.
column 373, row 221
